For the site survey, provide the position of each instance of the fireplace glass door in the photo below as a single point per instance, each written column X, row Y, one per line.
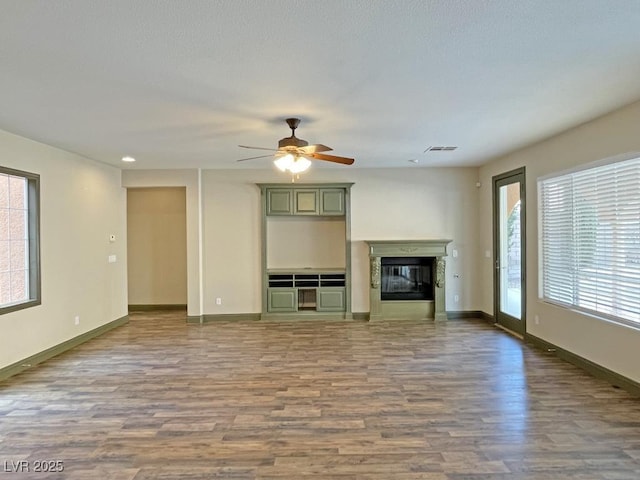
column 406, row 278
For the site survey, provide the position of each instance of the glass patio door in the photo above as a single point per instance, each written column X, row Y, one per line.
column 509, row 250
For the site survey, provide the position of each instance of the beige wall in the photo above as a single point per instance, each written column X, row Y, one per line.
column 605, row 343
column 157, row 246
column 386, row 204
column 223, row 227
column 82, row 203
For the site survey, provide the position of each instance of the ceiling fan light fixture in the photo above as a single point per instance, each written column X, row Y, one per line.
column 291, row 163
column 283, row 163
column 299, row 165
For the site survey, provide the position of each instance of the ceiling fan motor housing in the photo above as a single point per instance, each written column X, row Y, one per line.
column 292, row 141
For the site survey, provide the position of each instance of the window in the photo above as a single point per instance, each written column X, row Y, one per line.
column 19, row 240
column 590, row 240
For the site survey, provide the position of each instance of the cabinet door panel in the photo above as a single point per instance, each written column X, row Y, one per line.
column 306, row 202
column 282, row 300
column 331, row 300
column 331, row 201
column 279, row 202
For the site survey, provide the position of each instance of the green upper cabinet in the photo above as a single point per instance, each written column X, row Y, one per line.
column 305, row 201
column 279, row 201
column 332, row 201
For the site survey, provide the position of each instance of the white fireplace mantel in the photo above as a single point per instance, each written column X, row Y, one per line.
column 379, row 309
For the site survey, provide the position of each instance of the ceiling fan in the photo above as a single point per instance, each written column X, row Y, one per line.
column 293, row 153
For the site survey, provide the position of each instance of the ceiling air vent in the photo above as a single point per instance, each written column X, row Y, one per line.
column 439, row 149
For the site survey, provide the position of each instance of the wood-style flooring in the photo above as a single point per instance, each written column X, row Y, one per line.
column 401, row 400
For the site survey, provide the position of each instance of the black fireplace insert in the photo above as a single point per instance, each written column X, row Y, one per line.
column 407, row 278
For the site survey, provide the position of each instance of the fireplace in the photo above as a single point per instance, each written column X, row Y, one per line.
column 407, row 279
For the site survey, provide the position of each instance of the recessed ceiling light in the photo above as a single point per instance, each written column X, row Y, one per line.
column 414, row 160
column 128, row 159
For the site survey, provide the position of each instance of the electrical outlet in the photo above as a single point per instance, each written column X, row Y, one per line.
column 456, row 298
column 76, row 320
column 218, row 301
column 536, row 319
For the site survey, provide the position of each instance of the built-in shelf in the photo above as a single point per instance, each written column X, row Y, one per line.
column 306, row 224
column 306, row 280
column 306, row 292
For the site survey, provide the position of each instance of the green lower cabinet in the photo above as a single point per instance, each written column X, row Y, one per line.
column 331, row 299
column 282, row 300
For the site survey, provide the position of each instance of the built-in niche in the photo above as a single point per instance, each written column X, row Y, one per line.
column 306, row 258
column 305, row 242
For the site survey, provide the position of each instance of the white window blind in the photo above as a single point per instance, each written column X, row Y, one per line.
column 590, row 240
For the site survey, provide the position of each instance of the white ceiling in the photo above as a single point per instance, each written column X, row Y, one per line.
column 179, row 84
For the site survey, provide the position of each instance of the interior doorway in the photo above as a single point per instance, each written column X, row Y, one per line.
column 509, row 250
column 157, row 248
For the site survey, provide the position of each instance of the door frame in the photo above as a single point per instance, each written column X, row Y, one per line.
column 504, row 320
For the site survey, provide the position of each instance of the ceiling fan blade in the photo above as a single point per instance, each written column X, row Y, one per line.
column 253, row 158
column 314, row 149
column 259, row 148
column 332, row 158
